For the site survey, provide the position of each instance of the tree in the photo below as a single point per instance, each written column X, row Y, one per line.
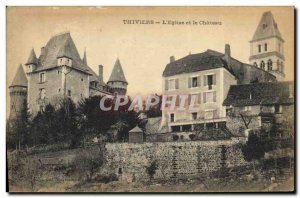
column 253, row 150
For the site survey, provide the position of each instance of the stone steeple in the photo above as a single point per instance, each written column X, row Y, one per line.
column 266, row 47
column 266, row 28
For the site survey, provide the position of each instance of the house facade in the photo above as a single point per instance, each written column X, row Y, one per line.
column 261, row 106
column 59, row 72
column 206, row 77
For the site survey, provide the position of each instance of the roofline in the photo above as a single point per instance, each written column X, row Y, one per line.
column 50, row 68
column 117, row 81
column 254, row 40
column 18, row 86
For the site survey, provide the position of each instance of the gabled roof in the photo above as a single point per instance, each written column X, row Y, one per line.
column 267, row 93
column 211, row 59
column 267, row 27
column 117, row 73
column 61, row 45
column 32, row 59
column 136, row 130
column 20, row 78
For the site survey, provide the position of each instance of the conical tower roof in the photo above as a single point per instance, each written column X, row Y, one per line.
column 32, row 58
column 117, row 73
column 267, row 27
column 20, row 78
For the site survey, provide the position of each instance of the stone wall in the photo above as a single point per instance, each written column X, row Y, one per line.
column 176, row 160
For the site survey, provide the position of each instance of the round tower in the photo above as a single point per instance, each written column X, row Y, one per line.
column 117, row 82
column 18, row 94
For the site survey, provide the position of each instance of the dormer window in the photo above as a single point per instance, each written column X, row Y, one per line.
column 265, row 26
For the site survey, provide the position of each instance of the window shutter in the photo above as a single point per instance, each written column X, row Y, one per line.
column 166, row 84
column 176, row 84
column 205, row 80
column 204, row 97
column 199, row 81
column 177, row 101
column 215, row 97
column 189, row 82
column 189, row 99
column 199, row 98
column 214, row 79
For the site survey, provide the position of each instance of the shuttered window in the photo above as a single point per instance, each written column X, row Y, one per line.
column 209, row 97
column 166, row 85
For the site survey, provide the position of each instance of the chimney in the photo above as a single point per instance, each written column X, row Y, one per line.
column 172, row 59
column 227, row 55
column 100, row 73
column 42, row 51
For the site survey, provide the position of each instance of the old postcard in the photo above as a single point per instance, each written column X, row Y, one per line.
column 150, row 99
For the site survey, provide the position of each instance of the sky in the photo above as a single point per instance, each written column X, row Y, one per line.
column 143, row 49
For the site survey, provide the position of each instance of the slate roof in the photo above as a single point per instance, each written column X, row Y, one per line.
column 267, row 27
column 117, row 73
column 32, row 59
column 136, row 130
column 61, row 45
column 20, row 78
column 267, row 93
column 211, row 59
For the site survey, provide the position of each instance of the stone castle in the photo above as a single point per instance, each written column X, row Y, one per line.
column 58, row 73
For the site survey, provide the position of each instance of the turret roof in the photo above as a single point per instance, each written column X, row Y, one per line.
column 117, row 73
column 20, row 78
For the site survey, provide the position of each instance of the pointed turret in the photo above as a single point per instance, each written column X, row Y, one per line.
column 18, row 93
column 117, row 73
column 32, row 60
column 20, row 78
column 117, row 80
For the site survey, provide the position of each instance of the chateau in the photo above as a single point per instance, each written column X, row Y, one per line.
column 59, row 72
column 208, row 76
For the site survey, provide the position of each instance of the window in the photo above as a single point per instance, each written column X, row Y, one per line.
column 69, row 93
column 172, row 84
column 194, row 82
column 58, row 90
column 209, row 97
column 42, row 77
column 194, row 116
column 270, row 65
column 196, row 98
column 172, row 117
column 265, row 26
column 228, row 111
column 259, row 48
column 247, row 108
column 81, row 79
column 277, row 108
column 281, row 67
column 42, row 93
column 266, row 47
column 210, row 80
column 262, row 65
column 58, row 72
column 255, row 64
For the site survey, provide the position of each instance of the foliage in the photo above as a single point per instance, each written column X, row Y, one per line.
column 192, row 136
column 175, row 137
column 253, row 149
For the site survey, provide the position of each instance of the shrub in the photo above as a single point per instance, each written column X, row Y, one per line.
column 192, row 136
column 152, row 169
column 175, row 137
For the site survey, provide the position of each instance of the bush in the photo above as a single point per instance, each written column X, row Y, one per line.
column 106, row 178
column 152, row 169
column 192, row 136
column 175, row 137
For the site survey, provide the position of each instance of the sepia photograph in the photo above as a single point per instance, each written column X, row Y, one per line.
column 153, row 99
